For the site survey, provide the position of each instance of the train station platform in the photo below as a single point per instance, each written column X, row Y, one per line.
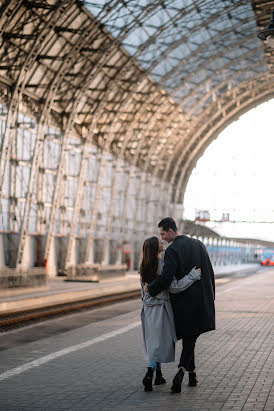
column 100, row 366
column 60, row 291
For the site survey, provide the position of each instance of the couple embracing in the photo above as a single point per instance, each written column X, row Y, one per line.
column 178, row 302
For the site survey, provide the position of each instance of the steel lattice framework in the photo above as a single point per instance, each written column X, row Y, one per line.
column 108, row 105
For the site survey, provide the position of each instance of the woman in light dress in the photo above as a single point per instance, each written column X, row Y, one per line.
column 159, row 335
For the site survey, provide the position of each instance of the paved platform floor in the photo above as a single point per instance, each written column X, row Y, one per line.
column 100, row 366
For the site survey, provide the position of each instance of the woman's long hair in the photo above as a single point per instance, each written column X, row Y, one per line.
column 149, row 260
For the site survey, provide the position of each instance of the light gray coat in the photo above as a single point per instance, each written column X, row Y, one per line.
column 159, row 335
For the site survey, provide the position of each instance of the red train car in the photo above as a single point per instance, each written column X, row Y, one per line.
column 267, row 257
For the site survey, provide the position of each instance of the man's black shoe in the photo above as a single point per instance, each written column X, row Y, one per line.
column 192, row 382
column 177, row 382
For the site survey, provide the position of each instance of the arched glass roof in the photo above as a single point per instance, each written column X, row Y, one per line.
column 188, row 47
column 152, row 81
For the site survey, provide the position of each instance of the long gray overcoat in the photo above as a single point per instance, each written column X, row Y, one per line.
column 159, row 335
column 193, row 309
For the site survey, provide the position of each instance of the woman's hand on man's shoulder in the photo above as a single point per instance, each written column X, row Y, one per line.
column 198, row 269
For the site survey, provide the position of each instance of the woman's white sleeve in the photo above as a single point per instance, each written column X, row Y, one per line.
column 177, row 286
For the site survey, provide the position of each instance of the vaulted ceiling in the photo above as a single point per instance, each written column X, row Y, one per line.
column 153, row 82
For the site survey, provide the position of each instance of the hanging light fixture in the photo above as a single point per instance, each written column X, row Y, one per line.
column 268, row 33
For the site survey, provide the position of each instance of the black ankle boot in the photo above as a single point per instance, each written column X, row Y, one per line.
column 160, row 379
column 147, row 380
column 192, row 382
column 177, row 381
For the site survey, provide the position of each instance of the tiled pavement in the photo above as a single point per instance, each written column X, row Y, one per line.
column 235, row 363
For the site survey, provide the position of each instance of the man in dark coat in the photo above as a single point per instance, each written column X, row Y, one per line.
column 193, row 309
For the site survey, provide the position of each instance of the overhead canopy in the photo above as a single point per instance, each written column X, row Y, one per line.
column 153, row 82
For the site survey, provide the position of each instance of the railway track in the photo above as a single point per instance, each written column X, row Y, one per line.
column 14, row 320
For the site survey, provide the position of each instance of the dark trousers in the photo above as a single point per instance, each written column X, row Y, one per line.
column 187, row 359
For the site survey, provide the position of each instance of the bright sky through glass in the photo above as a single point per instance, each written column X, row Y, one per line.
column 236, row 175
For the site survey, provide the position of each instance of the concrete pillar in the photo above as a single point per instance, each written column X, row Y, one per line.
column 72, row 259
column 106, row 251
column 133, row 245
column 51, row 263
column 119, row 255
column 90, row 252
column 2, row 251
column 74, row 256
column 28, row 253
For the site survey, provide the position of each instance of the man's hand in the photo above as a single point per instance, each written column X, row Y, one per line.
column 145, row 288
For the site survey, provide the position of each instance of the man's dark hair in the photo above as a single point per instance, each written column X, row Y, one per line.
column 167, row 223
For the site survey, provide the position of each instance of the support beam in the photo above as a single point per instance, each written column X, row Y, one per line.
column 18, row 91
column 2, row 252
column 51, row 261
column 77, row 205
column 89, row 258
column 51, row 92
